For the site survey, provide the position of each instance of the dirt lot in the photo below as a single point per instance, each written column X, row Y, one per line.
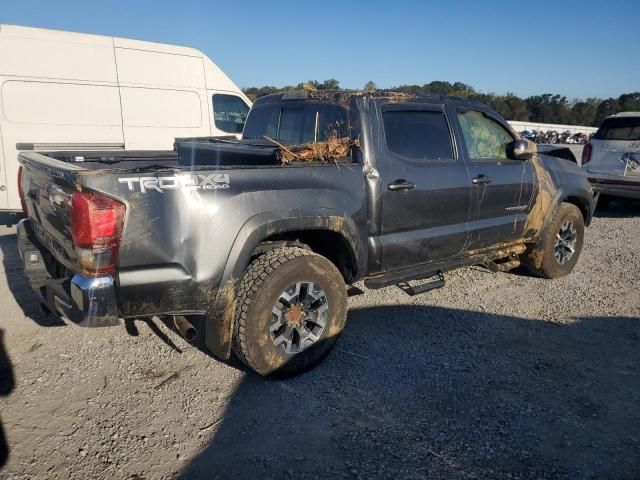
column 493, row 376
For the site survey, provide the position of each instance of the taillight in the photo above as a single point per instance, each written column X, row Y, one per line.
column 586, row 153
column 96, row 225
column 20, row 192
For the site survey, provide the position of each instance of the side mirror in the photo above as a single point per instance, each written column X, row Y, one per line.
column 522, row 149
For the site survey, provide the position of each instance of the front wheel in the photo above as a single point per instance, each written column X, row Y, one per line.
column 291, row 308
column 557, row 251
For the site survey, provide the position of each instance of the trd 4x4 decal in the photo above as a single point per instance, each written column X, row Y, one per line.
column 213, row 181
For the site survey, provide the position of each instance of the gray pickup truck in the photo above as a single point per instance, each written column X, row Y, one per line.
column 256, row 240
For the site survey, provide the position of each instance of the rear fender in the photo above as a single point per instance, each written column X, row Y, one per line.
column 221, row 315
column 586, row 207
column 561, row 196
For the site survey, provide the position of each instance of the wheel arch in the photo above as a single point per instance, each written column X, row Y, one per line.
column 562, row 196
column 583, row 206
column 312, row 229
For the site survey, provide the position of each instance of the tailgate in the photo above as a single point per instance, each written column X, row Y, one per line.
column 615, row 157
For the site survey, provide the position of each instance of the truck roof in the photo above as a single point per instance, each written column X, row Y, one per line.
column 625, row 114
column 344, row 96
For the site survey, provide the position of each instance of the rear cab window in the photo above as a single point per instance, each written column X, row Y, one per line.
column 297, row 122
column 620, row 128
column 229, row 112
column 419, row 132
column 484, row 137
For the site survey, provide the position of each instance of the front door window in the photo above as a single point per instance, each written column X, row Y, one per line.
column 484, row 138
column 229, row 113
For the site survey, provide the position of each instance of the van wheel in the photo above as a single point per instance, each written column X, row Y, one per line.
column 557, row 251
column 291, row 308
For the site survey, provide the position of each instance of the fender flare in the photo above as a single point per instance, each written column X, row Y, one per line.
column 557, row 199
column 219, row 322
column 562, row 196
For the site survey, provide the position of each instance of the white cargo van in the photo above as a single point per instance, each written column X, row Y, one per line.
column 72, row 91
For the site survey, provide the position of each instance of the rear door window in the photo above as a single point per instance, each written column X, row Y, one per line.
column 421, row 134
column 229, row 112
column 621, row 128
column 484, row 137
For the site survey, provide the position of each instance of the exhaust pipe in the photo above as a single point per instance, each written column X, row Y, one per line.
column 185, row 328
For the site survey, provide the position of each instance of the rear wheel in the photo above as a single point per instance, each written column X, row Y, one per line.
column 291, row 308
column 558, row 250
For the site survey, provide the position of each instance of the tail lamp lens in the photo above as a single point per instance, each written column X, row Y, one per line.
column 96, row 227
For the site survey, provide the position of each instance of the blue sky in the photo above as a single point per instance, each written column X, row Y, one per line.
column 576, row 48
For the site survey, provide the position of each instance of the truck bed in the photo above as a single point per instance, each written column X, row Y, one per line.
column 188, row 153
column 122, row 160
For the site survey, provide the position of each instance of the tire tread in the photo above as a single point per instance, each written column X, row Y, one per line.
column 254, row 277
column 563, row 210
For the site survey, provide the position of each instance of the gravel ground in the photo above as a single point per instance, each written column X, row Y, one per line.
column 494, row 376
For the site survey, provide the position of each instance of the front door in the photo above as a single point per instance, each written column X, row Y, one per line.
column 502, row 188
column 425, row 187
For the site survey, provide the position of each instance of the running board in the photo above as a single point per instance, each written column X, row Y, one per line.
column 427, row 270
column 423, row 288
column 353, row 291
column 502, row 266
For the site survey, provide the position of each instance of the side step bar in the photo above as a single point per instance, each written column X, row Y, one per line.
column 430, row 269
column 412, row 291
column 495, row 267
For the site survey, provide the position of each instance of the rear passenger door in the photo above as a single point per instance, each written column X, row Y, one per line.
column 425, row 186
column 502, row 188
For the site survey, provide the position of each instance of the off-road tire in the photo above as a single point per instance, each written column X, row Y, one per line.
column 261, row 285
column 544, row 250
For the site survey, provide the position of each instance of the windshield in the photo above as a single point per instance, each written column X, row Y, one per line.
column 621, row 128
column 297, row 123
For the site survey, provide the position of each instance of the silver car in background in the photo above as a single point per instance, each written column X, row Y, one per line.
column 612, row 157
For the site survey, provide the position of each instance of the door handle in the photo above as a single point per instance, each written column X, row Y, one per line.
column 400, row 185
column 481, row 179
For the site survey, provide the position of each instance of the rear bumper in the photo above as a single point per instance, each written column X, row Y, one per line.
column 86, row 301
column 616, row 188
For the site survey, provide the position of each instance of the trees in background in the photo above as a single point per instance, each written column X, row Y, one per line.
column 257, row 92
column 545, row 108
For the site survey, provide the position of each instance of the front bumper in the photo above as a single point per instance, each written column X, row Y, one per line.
column 86, row 301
